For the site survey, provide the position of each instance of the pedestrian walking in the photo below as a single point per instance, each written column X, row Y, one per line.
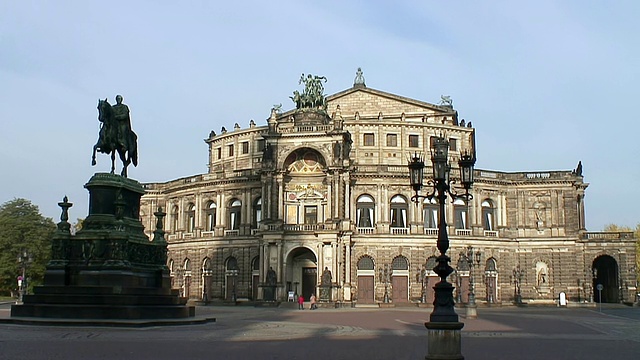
column 300, row 302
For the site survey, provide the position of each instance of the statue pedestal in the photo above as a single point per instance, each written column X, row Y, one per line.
column 109, row 269
column 325, row 293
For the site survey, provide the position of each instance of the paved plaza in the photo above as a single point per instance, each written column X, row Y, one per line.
column 244, row 332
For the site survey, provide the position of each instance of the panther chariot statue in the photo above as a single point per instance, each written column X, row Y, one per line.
column 116, row 135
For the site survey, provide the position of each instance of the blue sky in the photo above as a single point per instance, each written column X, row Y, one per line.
column 545, row 83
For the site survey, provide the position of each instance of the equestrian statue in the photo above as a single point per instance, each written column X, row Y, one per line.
column 116, row 135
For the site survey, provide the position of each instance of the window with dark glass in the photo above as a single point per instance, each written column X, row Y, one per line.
column 230, row 150
column 430, row 212
column 487, row 215
column 257, row 213
column 392, row 140
column 364, row 211
column 310, row 214
column 245, row 147
column 453, row 144
column 398, row 212
column 369, row 139
column 234, row 215
column 191, row 217
column 414, row 141
column 211, row 216
column 261, row 145
column 219, row 153
column 174, row 218
column 460, row 214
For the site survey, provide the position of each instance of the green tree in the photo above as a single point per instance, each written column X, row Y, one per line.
column 23, row 228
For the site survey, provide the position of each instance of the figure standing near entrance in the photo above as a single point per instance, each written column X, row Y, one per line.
column 312, row 300
column 300, row 302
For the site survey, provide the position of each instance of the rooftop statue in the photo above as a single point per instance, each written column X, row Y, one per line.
column 313, row 94
column 445, row 100
column 359, row 80
column 116, row 135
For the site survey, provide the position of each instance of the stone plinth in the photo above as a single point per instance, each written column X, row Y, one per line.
column 444, row 340
column 110, row 269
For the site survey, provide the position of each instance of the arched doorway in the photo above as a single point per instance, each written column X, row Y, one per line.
column 302, row 272
column 231, row 279
column 605, row 272
column 366, row 273
column 400, row 279
column 491, row 280
column 431, row 279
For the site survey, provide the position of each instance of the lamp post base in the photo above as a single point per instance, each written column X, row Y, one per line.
column 444, row 340
column 472, row 311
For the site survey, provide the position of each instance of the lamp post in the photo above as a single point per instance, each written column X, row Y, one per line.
column 518, row 274
column 180, row 275
column 444, row 327
column 594, row 277
column 472, row 258
column 385, row 275
column 422, row 274
column 24, row 259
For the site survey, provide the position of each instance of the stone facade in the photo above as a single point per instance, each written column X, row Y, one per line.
column 320, row 202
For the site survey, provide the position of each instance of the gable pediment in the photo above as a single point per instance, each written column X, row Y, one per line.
column 370, row 102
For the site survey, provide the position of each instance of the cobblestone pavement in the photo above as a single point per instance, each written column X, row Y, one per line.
column 361, row 333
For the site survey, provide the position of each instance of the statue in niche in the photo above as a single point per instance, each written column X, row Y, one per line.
column 542, row 277
column 325, row 285
column 270, row 285
column 271, row 277
column 326, row 277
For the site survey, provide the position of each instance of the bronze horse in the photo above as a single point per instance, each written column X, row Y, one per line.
column 111, row 140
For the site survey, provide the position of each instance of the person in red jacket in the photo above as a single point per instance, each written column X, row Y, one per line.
column 300, row 302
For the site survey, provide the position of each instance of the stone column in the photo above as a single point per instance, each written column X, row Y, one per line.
column 347, row 196
column 330, row 200
column 280, row 197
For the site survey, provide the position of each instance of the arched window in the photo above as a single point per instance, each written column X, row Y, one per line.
column 232, row 264
column 398, row 212
column 211, row 216
column 234, row 215
column 460, row 214
column 488, row 215
column 364, row 211
column 491, row 265
column 365, row 263
column 255, row 263
column 257, row 213
column 430, row 210
column 191, row 217
column 174, row 218
column 400, row 263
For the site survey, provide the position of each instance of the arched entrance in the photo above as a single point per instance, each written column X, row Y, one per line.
column 366, row 273
column 302, row 272
column 605, row 272
column 400, row 279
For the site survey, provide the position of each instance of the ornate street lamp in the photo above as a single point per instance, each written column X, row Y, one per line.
column 472, row 258
column 443, row 326
column 422, row 275
column 385, row 276
column 24, row 259
column 518, row 274
column 180, row 274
